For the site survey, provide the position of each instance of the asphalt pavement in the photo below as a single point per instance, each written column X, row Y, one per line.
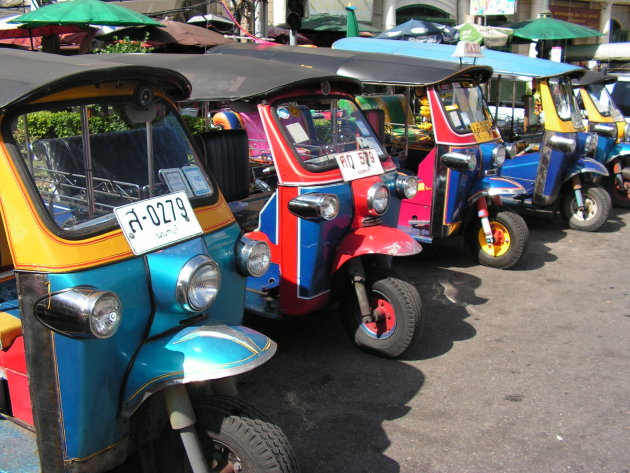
column 518, row 371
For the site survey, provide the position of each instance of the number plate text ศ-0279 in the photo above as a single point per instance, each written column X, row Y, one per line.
column 158, row 222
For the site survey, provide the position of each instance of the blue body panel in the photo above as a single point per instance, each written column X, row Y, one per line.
column 501, row 62
column 605, row 146
column 585, row 165
column 620, row 149
column 91, row 371
column 522, row 169
column 491, row 185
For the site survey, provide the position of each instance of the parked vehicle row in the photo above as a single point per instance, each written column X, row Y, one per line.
column 130, row 247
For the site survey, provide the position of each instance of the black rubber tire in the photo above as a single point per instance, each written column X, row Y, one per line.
column 617, row 198
column 596, row 199
column 407, row 306
column 227, row 424
column 518, row 239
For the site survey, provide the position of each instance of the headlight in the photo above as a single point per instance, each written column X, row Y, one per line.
column 81, row 312
column 510, row 150
column 198, row 283
column 406, row 186
column 561, row 143
column 605, row 129
column 253, row 257
column 378, row 199
column 315, row 206
column 498, row 155
column 590, row 145
column 459, row 161
column 626, row 132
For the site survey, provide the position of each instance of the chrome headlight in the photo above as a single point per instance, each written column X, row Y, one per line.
column 498, row 155
column 315, row 206
column 377, row 199
column 253, row 257
column 198, row 283
column 459, row 161
column 81, row 312
column 561, row 143
column 605, row 129
column 406, row 186
column 510, row 150
column 590, row 145
column 626, row 132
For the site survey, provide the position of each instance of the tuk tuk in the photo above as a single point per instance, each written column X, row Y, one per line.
column 456, row 163
column 604, row 118
column 122, row 280
column 535, row 110
column 304, row 172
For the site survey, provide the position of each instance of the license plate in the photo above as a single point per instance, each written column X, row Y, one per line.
column 482, row 131
column 157, row 222
column 359, row 163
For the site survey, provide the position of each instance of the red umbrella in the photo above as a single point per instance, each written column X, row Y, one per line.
column 14, row 31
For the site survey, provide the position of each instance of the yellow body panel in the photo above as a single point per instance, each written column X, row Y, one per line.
column 591, row 109
column 552, row 121
column 34, row 247
column 10, row 329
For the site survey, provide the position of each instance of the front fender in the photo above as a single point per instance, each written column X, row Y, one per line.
column 620, row 149
column 196, row 353
column 492, row 185
column 585, row 165
column 375, row 240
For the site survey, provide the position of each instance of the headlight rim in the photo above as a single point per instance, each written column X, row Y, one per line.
column 245, row 248
column 371, row 197
column 497, row 160
column 186, row 275
column 402, row 185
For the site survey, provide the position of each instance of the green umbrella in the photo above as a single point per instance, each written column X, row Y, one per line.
column 546, row 28
column 83, row 13
column 326, row 22
column 491, row 36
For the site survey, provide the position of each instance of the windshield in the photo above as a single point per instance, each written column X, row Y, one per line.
column 130, row 155
column 564, row 100
column 320, row 127
column 604, row 102
column 463, row 104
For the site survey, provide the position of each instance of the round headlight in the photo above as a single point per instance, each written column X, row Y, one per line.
column 406, row 186
column 106, row 315
column 198, row 283
column 498, row 155
column 329, row 207
column 254, row 257
column 626, row 132
column 378, row 199
column 590, row 145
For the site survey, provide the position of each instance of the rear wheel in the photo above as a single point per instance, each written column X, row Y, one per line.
column 235, row 437
column 510, row 234
column 397, row 310
column 597, row 205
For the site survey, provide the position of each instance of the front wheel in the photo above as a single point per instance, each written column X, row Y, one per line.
column 397, row 310
column 619, row 195
column 510, row 235
column 597, row 206
column 235, row 438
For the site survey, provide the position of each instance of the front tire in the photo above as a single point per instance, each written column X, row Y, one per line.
column 511, row 236
column 235, row 437
column 597, row 204
column 399, row 304
column 619, row 197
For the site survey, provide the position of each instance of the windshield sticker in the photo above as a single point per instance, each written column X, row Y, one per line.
column 176, row 181
column 197, row 181
column 368, row 142
column 283, row 113
column 362, row 128
column 455, row 119
column 294, row 111
column 450, row 108
column 297, row 132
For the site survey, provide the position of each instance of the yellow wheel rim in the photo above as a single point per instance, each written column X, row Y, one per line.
column 502, row 240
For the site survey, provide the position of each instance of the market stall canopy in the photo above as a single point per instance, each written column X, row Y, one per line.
column 502, row 63
column 367, row 67
column 83, row 13
column 24, row 75
column 491, row 36
column 547, row 28
column 422, row 31
column 173, row 32
column 599, row 52
column 10, row 30
column 221, row 77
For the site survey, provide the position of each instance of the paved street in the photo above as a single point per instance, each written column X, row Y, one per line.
column 525, row 370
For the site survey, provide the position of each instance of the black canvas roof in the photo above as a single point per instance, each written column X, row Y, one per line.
column 25, row 75
column 367, row 67
column 226, row 77
column 594, row 77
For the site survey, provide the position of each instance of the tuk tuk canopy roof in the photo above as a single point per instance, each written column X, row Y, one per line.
column 26, row 75
column 594, row 77
column 371, row 68
column 218, row 77
column 502, row 63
